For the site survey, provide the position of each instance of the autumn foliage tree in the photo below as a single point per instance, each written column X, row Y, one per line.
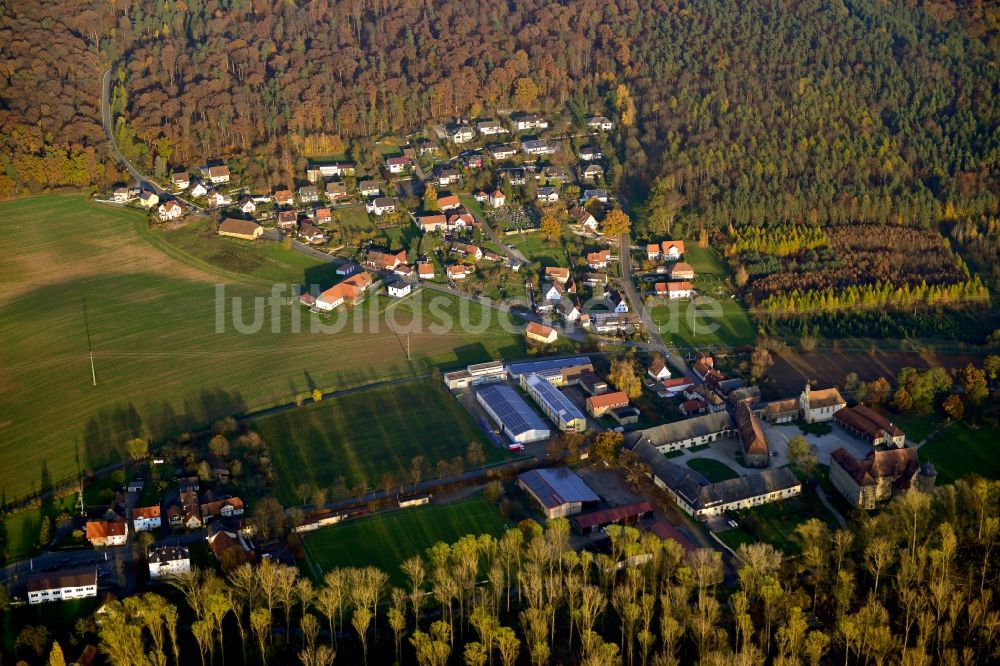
column 616, row 223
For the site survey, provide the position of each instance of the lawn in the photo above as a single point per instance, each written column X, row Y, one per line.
column 538, row 249
column 722, row 324
column 388, row 539
column 354, row 219
column 775, row 523
column 711, row 469
column 167, row 356
column 962, row 449
column 916, row 425
column 705, row 261
column 361, row 436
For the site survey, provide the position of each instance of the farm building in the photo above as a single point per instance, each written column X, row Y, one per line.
column 559, row 491
column 678, row 385
column 478, row 373
column 699, row 498
column 755, row 451
column 870, row 426
column 627, row 514
column 685, row 434
column 168, row 561
column 599, row 405
column 517, row 420
column 820, row 405
column 556, row 406
column 625, row 415
column 781, row 411
column 879, row 475
column 593, row 384
column 541, row 333
column 62, row 585
column 243, row 229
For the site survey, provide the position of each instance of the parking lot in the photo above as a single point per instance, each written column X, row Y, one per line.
column 778, row 436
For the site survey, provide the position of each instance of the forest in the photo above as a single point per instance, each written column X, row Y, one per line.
column 914, row 584
column 732, row 113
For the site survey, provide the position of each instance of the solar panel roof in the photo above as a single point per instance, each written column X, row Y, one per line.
column 515, row 415
column 529, row 367
column 554, row 397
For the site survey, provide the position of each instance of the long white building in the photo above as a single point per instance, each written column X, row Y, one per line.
column 62, row 585
column 554, row 403
column 517, row 420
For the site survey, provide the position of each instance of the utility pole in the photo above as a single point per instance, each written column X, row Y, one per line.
column 79, row 475
column 407, row 345
column 90, row 348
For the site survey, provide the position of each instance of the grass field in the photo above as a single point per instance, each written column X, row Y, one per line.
column 730, row 329
column 713, row 470
column 354, row 219
column 387, row 540
column 363, row 435
column 538, row 249
column 962, row 449
column 775, row 523
column 705, row 261
column 167, row 356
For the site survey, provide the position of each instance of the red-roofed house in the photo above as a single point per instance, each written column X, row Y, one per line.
column 385, row 261
column 352, row 290
column 449, row 202
column 677, row 385
column 107, row 532
column 146, row 518
column 541, row 333
column 425, row 270
column 599, row 405
column 672, row 249
column 497, row 199
column 557, row 274
column 691, row 407
column 457, row 271
column 658, row 370
column 598, row 259
column 432, row 222
column 398, row 164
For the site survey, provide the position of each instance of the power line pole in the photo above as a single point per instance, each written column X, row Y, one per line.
column 90, row 348
column 407, row 345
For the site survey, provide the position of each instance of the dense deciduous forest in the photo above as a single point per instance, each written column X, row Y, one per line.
column 826, row 112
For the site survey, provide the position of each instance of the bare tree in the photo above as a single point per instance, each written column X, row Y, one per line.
column 360, row 621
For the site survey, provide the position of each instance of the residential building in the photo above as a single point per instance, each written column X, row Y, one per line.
column 460, row 134
column 311, row 234
column 449, row 177
column 498, row 199
column 218, row 199
column 599, row 405
column 554, row 404
column 190, row 510
column 48, row 586
column 218, row 174
column 469, row 250
column 449, row 202
column 692, row 407
column 399, row 289
column 101, row 533
column 398, row 164
column 180, row 180
column 590, row 153
column 283, row 198
column 676, row 386
column 557, row 274
column 597, row 260
column 600, row 194
column 672, row 249
column 685, row 434
column 148, row 199
column 538, row 147
column 457, row 271
column 600, row 123
column 880, row 475
column 592, row 172
column 515, row 417
column 681, row 271
column 555, row 174
column 870, row 426
column 120, row 195
column 323, row 215
column 559, row 491
column 199, row 190
column 502, row 152
column 612, row 322
column 317, row 172
column 224, row 508
column 432, row 222
column 711, row 398
column 547, row 194
column 369, row 188
column 308, row 194
column 673, row 289
column 461, row 220
column 699, row 498
column 781, row 411
column 352, row 291
column 529, row 121
column 242, row 229
column 652, row 251
column 224, row 538
column 473, row 161
column 336, row 191
column 146, row 518
column 755, row 450
column 541, row 333
column 425, row 270
column 820, row 405
column 658, row 370
column 170, row 210
column 617, row 303
column 490, row 128
column 287, row 219
column 596, row 279
column 248, row 206
column 167, row 561
column 381, row 206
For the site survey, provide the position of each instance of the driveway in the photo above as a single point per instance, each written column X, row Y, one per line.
column 778, row 436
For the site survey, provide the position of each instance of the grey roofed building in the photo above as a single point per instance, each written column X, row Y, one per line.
column 531, row 367
column 559, row 490
column 699, row 498
column 686, row 433
column 517, row 420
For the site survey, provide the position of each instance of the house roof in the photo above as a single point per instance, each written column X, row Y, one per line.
column 540, row 330
column 309, row 230
column 751, row 434
column 681, row 267
column 825, row 398
column 652, row 248
column 678, row 286
column 666, row 245
column 146, row 512
column 677, row 382
column 657, row 366
column 682, row 430
column 102, row 529
column 394, row 161
column 596, row 257
column 179, row 176
column 557, row 272
column 580, row 214
column 235, row 226
column 867, row 421
column 456, row 269
column 555, row 486
column 431, row 220
column 218, row 171
column 605, row 400
column 897, row 464
column 614, row 514
column 689, row 406
column 54, row 580
column 498, row 194
column 164, row 554
column 170, row 205
column 781, row 407
column 665, row 531
column 425, row 268
column 450, row 200
column 383, row 202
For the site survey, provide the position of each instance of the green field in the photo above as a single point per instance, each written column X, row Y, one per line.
column 730, row 329
column 962, row 449
column 363, row 435
column 387, row 540
column 162, row 368
column 705, row 261
column 538, row 249
column 775, row 523
column 711, row 469
column 354, row 219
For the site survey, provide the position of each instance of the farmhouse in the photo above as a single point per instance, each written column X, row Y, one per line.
column 755, row 451
column 681, row 271
column 352, row 290
column 600, row 123
column 223, row 538
column 218, row 174
column 170, row 210
column 120, row 195
column 516, row 419
column 781, row 411
column 399, row 289
column 599, row 405
column 62, row 585
column 685, row 434
column 658, row 370
column 148, row 199
column 599, row 259
column 702, row 367
column 816, row 406
column 457, row 271
column 879, row 476
column 146, row 518
column 107, row 532
column 242, row 229
column 611, row 322
column 712, row 399
column 699, row 498
column 168, row 561
column 558, row 490
column 380, row 206
column 628, row 514
column 557, row 274
column 425, row 270
column 180, row 180
column 540, row 333
column 870, row 426
column 556, row 406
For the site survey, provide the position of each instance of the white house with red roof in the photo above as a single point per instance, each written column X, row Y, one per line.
column 498, row 199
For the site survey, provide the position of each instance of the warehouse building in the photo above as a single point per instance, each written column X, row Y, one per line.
column 473, row 375
column 557, row 371
column 628, row 514
column 685, row 434
column 556, row 406
column 517, row 420
column 559, row 491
